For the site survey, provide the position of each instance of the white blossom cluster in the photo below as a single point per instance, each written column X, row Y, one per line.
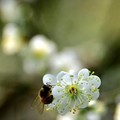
column 72, row 91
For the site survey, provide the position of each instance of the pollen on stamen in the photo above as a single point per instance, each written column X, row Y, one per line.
column 58, row 105
column 58, row 84
column 73, row 111
column 73, row 90
column 62, row 96
column 92, row 73
column 97, row 80
column 71, row 76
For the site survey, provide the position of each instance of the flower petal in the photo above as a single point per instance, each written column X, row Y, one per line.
column 66, row 79
column 94, row 80
column 60, row 75
column 65, row 105
column 74, row 77
column 57, row 91
column 84, row 85
column 84, row 73
column 93, row 93
column 49, row 79
column 82, row 101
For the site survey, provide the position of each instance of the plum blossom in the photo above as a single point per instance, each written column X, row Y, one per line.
column 36, row 53
column 12, row 41
column 72, row 91
column 66, row 59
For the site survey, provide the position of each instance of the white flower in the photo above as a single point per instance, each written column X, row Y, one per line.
column 36, row 54
column 11, row 39
column 73, row 91
column 10, row 10
column 40, row 46
column 66, row 59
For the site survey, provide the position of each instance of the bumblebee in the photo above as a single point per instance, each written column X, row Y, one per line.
column 44, row 97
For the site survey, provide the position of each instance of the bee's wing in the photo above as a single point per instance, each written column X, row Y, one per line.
column 38, row 104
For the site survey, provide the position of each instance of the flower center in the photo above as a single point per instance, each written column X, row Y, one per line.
column 73, row 90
